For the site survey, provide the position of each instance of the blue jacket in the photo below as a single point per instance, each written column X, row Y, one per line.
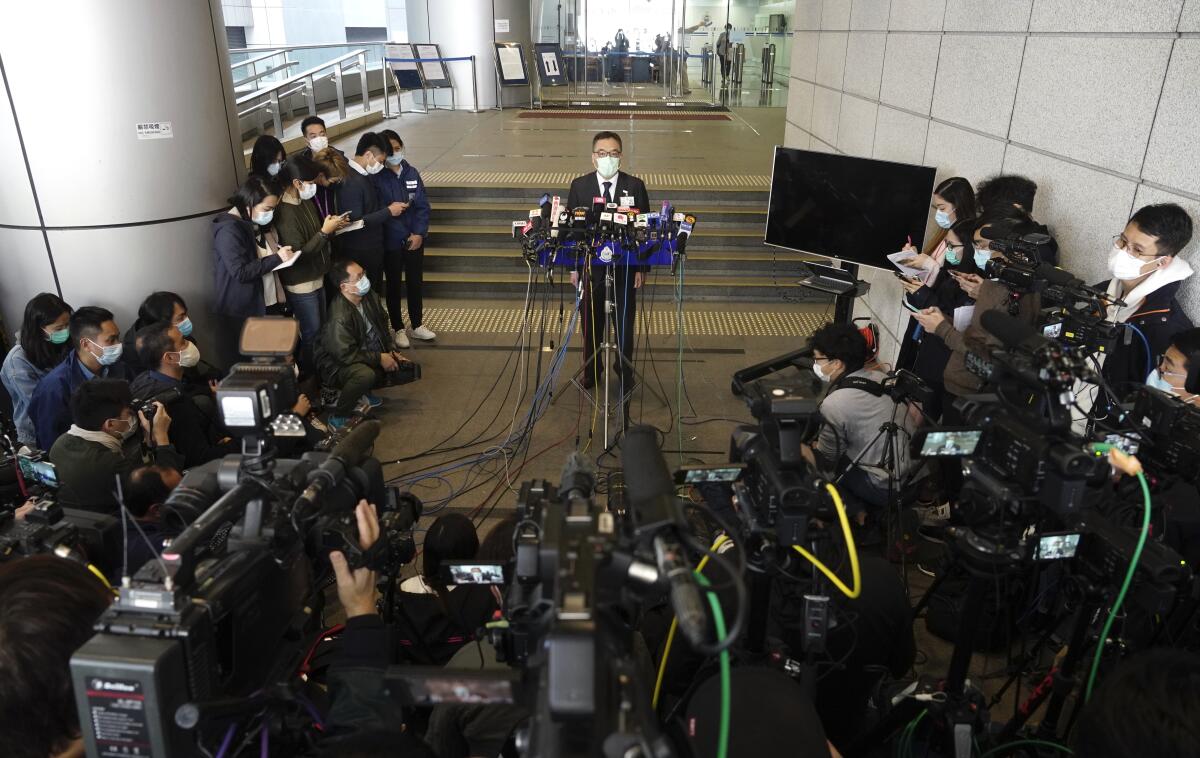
column 237, row 269
column 404, row 187
column 20, row 377
column 50, row 407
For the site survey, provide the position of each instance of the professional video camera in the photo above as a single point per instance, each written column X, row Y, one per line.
column 1168, row 433
column 233, row 602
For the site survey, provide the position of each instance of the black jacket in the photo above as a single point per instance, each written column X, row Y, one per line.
column 237, row 269
column 86, row 470
column 343, row 337
column 358, row 195
column 585, row 187
column 1158, row 318
column 195, row 435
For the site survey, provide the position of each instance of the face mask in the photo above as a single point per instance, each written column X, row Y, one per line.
column 1156, row 380
column 982, row 257
column 942, row 219
column 375, row 168
column 310, row 189
column 953, row 256
column 273, row 169
column 262, row 219
column 131, row 425
column 395, row 159
column 58, row 337
column 109, row 355
column 363, row 286
column 1123, row 265
column 317, row 144
column 185, row 327
column 820, row 374
column 189, row 356
column 608, row 166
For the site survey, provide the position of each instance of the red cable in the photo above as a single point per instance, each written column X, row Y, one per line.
column 312, row 650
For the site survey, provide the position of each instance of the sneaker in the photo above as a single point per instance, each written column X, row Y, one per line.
column 422, row 333
column 373, row 401
column 339, row 423
column 933, row 515
column 362, row 407
column 401, row 339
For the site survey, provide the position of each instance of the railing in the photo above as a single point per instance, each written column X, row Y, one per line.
column 305, row 82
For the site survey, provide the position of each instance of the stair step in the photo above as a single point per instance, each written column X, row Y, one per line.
column 714, row 256
column 515, row 207
column 506, row 231
column 475, row 277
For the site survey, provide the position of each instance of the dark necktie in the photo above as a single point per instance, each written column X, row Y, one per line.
column 608, row 192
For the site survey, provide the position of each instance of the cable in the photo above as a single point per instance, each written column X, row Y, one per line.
column 850, row 548
column 662, row 665
column 1020, row 743
column 100, row 574
column 1116, row 606
column 719, row 622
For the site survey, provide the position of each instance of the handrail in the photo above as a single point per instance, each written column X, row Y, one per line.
column 251, row 61
column 268, row 72
column 284, row 48
column 249, row 97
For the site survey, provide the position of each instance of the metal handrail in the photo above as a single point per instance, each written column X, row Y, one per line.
column 285, row 48
column 307, row 81
column 252, row 61
column 268, row 72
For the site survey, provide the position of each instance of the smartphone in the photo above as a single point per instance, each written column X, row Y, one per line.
column 906, row 277
column 473, row 573
column 946, row 443
column 345, row 215
column 427, row 685
column 720, row 473
column 1056, row 545
column 37, row 471
column 907, row 305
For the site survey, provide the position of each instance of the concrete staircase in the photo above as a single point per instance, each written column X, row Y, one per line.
column 470, row 251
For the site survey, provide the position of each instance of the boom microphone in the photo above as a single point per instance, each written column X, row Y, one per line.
column 346, row 455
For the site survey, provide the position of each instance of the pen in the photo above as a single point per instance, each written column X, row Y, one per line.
column 910, row 239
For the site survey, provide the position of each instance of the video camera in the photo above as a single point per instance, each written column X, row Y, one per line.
column 1168, row 431
column 234, row 601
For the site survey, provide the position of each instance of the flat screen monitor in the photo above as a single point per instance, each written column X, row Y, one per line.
column 854, row 209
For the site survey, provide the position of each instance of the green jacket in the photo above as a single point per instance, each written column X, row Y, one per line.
column 298, row 224
column 86, row 469
column 344, row 335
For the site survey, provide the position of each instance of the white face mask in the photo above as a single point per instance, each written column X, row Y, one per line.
column 820, row 373
column 131, row 425
column 374, row 168
column 189, row 356
column 309, row 190
column 1124, row 265
column 608, row 166
column 317, row 144
column 273, row 169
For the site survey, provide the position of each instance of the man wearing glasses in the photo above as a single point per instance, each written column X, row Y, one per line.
column 615, row 186
column 1146, row 273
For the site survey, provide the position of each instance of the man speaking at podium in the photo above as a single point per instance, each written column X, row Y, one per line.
column 615, row 186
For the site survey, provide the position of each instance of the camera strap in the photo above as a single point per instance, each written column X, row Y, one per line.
column 860, row 383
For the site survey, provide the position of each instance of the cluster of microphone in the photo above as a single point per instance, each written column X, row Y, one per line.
column 605, row 229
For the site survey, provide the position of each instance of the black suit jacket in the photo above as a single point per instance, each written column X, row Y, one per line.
column 586, row 187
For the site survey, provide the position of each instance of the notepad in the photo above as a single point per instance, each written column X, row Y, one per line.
column 351, row 227
column 895, row 258
column 289, row 262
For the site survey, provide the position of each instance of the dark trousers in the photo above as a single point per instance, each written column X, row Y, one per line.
column 354, row 381
column 625, row 297
column 401, row 264
column 726, row 62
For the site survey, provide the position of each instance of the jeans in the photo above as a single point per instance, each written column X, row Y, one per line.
column 309, row 309
column 861, row 493
column 401, row 265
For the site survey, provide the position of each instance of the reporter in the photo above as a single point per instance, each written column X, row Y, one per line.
column 168, row 308
column 245, row 253
column 359, row 196
column 1181, row 357
column 302, row 228
column 149, row 487
column 43, row 343
column 438, row 619
column 266, row 158
column 404, row 239
column 101, row 445
column 853, row 409
column 1147, row 272
column 47, row 608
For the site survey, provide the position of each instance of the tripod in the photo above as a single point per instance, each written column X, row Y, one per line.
column 609, row 334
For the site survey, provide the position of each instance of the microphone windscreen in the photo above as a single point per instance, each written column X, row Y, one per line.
column 355, row 446
column 1055, row 275
column 645, row 469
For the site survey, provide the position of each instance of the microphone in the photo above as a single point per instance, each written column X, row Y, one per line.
column 554, row 216
column 681, row 240
column 685, row 595
column 1012, row 333
column 346, row 455
column 1057, row 277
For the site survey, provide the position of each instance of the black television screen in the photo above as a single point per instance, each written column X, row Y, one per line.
column 855, row 209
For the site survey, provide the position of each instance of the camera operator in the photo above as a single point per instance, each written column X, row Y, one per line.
column 1008, row 196
column 989, row 296
column 1180, row 358
column 47, row 608
column 354, row 350
column 1146, row 273
column 148, row 489
column 167, row 355
column 853, row 410
column 97, row 348
column 101, row 444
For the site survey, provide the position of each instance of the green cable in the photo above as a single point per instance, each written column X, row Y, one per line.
column 679, row 356
column 1019, row 743
column 719, row 622
column 1116, row 606
column 910, row 733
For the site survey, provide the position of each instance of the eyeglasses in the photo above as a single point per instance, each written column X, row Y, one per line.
column 607, row 153
column 1121, row 243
